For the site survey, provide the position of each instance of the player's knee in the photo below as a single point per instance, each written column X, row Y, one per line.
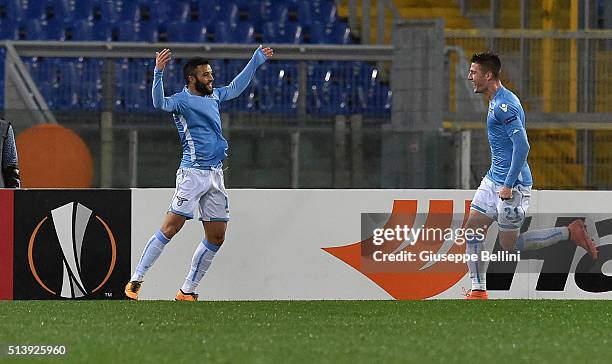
column 216, row 238
column 507, row 240
column 169, row 230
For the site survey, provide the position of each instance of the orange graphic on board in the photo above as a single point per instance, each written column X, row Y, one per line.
column 413, row 280
column 52, row 156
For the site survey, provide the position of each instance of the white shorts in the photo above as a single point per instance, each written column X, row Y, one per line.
column 509, row 214
column 203, row 188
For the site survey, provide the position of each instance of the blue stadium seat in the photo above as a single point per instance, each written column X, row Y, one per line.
column 129, row 11
column 177, row 32
column 222, row 33
column 228, row 13
column 104, row 10
column 37, row 9
column 325, row 12
column 278, row 13
column 9, row 29
column 55, row 30
column 304, row 13
column 12, row 9
column 125, row 31
column 257, row 11
column 187, row 32
column 177, row 11
column 83, row 9
column 80, row 30
column 339, row 34
column 102, row 32
column 59, row 10
column 243, row 32
column 148, row 32
column 208, row 11
column 201, row 34
column 291, row 33
column 317, row 33
column 269, row 32
column 31, row 29
column 282, row 33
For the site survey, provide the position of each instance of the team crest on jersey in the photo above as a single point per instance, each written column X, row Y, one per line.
column 504, row 107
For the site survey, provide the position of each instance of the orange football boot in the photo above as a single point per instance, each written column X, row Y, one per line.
column 132, row 289
column 182, row 296
column 579, row 235
column 476, row 295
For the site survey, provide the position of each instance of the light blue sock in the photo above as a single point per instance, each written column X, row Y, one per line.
column 537, row 239
column 202, row 258
column 151, row 252
column 476, row 267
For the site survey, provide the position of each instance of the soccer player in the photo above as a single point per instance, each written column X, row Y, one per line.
column 199, row 179
column 504, row 192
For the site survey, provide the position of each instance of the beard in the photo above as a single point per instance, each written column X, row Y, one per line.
column 202, row 88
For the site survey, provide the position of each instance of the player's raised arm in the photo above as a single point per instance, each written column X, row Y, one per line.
column 159, row 101
column 242, row 80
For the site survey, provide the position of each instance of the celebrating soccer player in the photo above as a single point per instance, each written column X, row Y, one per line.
column 504, row 192
column 199, row 179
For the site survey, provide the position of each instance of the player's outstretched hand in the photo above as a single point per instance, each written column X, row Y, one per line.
column 161, row 58
column 267, row 51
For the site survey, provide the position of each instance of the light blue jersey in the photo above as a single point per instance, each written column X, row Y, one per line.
column 508, row 140
column 198, row 119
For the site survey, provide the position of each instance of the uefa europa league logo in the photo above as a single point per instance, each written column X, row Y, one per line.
column 70, row 222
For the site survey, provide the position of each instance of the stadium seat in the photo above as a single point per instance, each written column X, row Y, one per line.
column 228, row 13
column 198, row 33
column 125, row 32
column 176, row 32
column 83, row 9
column 317, row 33
column 269, row 31
column 339, row 33
column 104, row 10
column 222, row 33
column 257, row 11
column 129, row 11
column 102, row 32
column 59, row 10
column 208, row 11
column 325, row 12
column 278, row 13
column 36, row 9
column 55, row 30
column 304, row 13
column 9, row 29
column 243, row 32
column 178, row 11
column 12, row 9
column 291, row 33
column 148, row 31
column 32, row 29
column 80, row 30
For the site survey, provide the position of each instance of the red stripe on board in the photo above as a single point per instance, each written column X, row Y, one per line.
column 6, row 244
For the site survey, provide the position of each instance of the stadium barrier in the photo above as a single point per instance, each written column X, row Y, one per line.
column 280, row 245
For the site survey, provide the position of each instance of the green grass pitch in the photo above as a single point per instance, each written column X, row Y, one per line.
column 313, row 331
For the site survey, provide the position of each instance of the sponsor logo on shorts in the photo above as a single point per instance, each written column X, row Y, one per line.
column 181, row 200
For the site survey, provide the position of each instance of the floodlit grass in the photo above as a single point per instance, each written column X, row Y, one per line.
column 314, row 331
